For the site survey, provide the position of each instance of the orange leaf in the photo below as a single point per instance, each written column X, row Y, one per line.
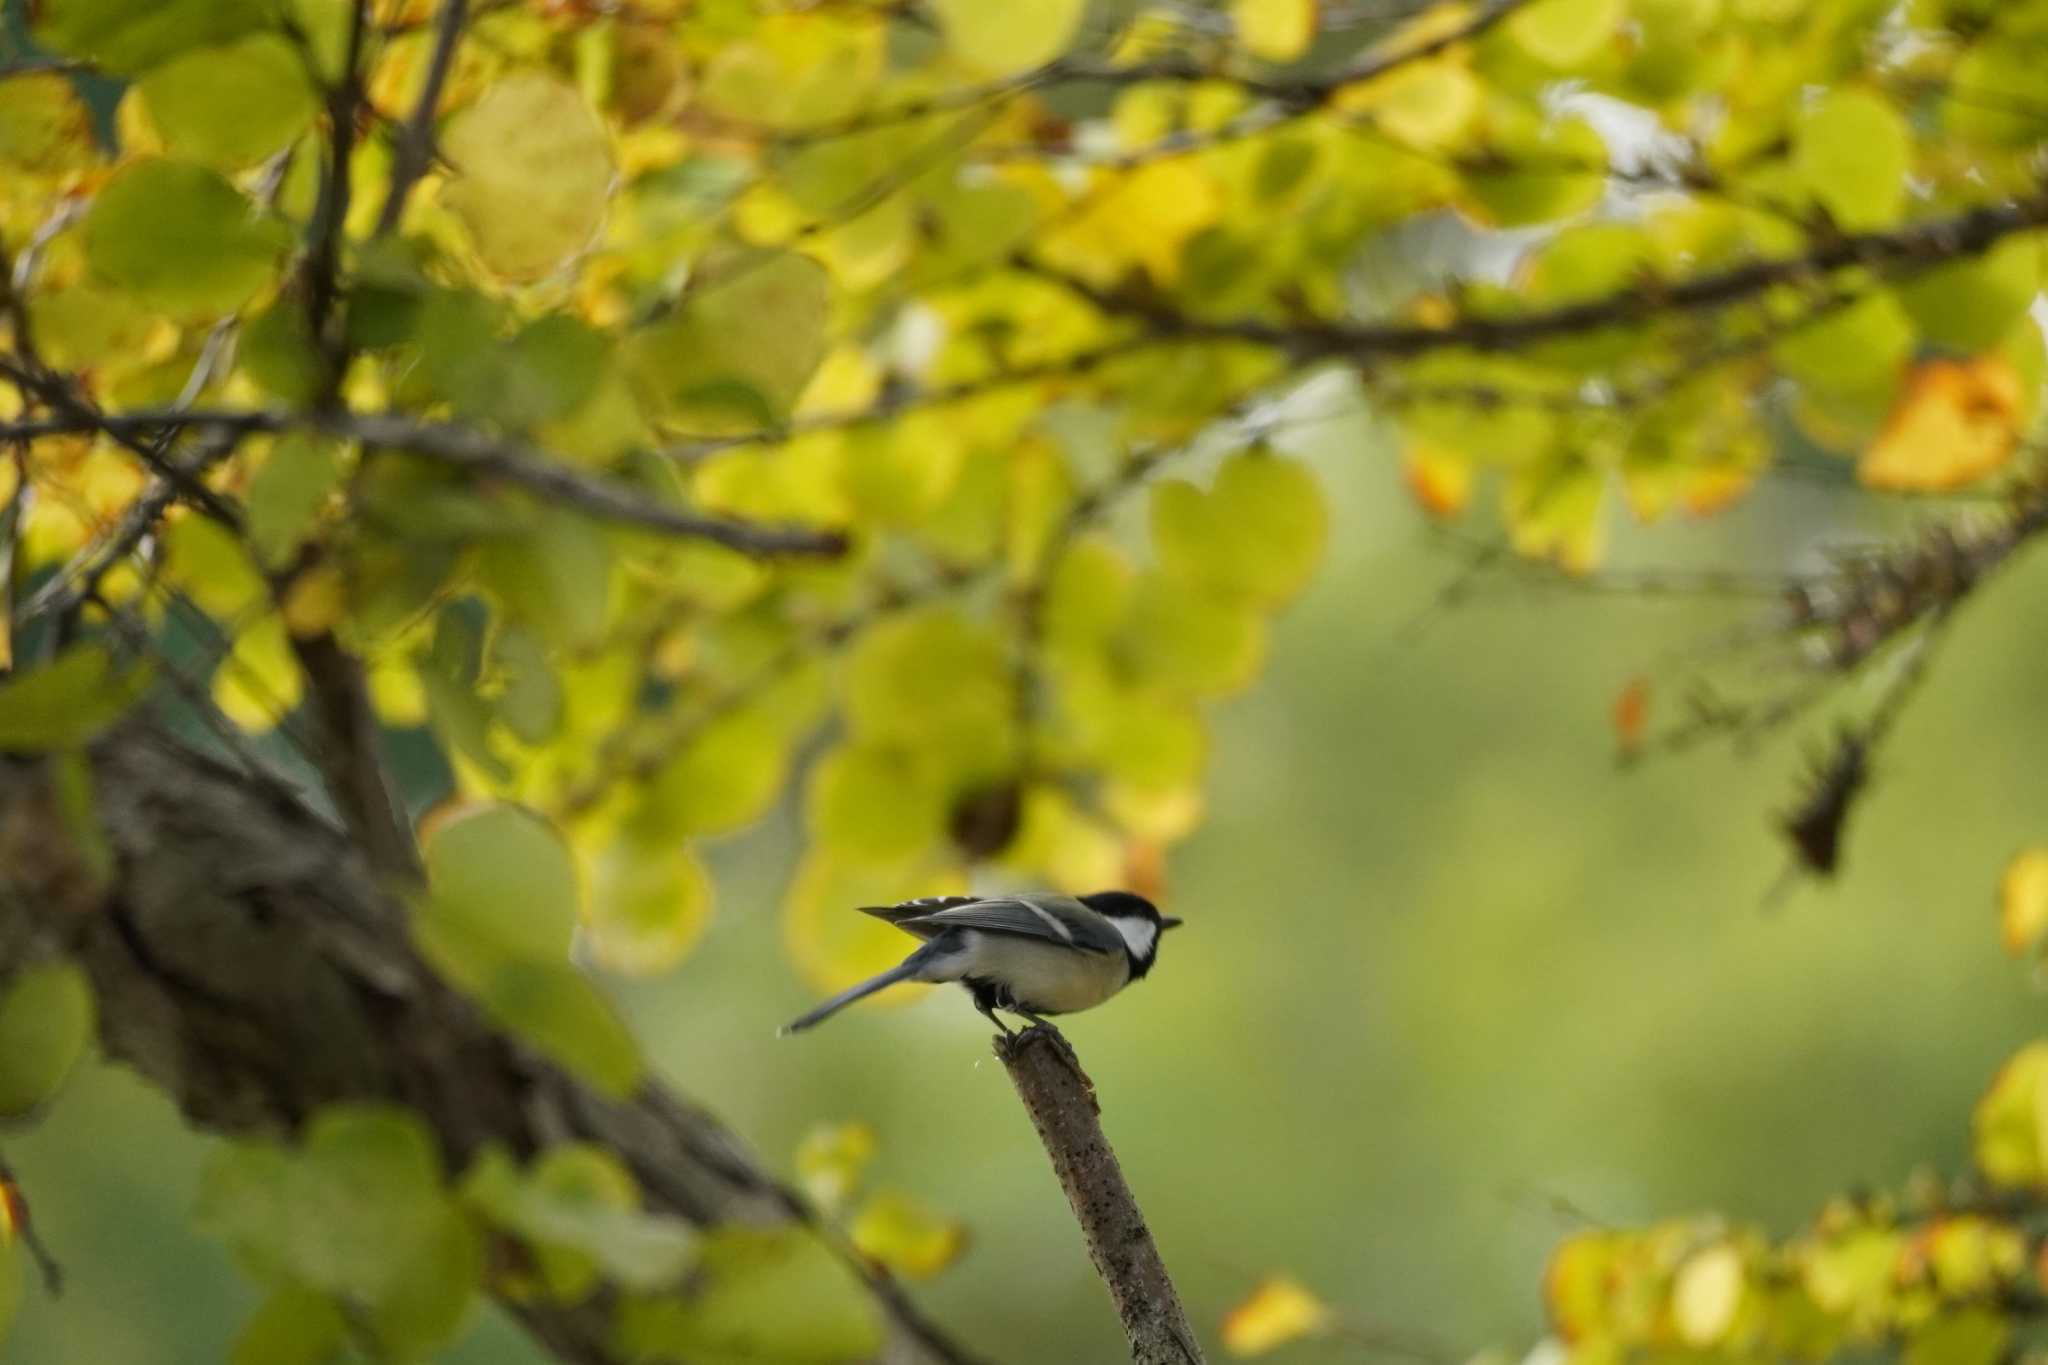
column 1440, row 479
column 1632, row 715
column 1954, row 422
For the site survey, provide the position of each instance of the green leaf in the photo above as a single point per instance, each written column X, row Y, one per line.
column 1257, row 536
column 938, row 682
column 556, row 576
column 231, row 105
column 46, row 1021
column 277, row 351
column 68, row 701
column 875, row 803
column 1858, row 350
column 1969, row 305
column 1184, row 639
column 294, row 1326
column 181, row 239
column 1003, row 40
column 503, row 874
column 125, row 37
column 286, row 495
column 541, row 374
column 579, row 1208
column 1564, row 33
column 210, row 565
column 1549, row 170
column 741, row 345
column 533, row 174
column 563, row 1015
column 44, row 126
column 359, row 1212
column 1852, row 152
column 648, row 907
column 1971, row 1336
column 739, row 1312
column 434, row 1287
column 1993, row 93
column 530, row 702
column 726, row 777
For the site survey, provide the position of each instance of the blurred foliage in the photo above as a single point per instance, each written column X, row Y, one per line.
column 670, row 408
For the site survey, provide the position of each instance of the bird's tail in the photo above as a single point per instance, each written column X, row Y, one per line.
column 907, row 970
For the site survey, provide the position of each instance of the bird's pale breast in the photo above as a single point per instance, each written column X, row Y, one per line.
column 1045, row 977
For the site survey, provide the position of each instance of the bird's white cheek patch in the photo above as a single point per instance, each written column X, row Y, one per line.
column 1138, row 933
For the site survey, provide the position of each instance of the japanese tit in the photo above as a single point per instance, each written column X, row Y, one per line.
column 1031, row 955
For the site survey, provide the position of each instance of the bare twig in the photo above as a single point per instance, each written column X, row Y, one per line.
column 413, row 149
column 1916, row 246
column 462, row 447
column 1060, row 1099
column 14, row 1214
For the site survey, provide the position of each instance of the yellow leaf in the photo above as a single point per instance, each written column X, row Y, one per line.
column 315, row 601
column 258, row 684
column 1278, row 1311
column 1440, row 478
column 1564, row 33
column 2009, row 1120
column 2023, row 901
column 534, row 174
column 907, row 1237
column 1275, row 30
column 1427, row 105
column 1953, row 423
column 1553, row 512
column 1004, row 39
column 647, row 907
column 1706, row 1293
column 831, row 1160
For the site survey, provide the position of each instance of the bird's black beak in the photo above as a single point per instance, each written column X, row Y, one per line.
column 1171, row 922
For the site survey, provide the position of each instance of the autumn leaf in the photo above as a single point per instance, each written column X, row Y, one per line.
column 1953, row 423
column 1440, row 479
column 1277, row 1312
column 1632, row 715
column 2023, row 901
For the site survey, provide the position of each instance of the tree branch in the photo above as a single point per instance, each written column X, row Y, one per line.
column 463, row 447
column 248, row 963
column 1915, row 246
column 1061, row 1101
column 414, row 145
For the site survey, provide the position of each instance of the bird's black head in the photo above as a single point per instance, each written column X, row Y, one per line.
column 1137, row 919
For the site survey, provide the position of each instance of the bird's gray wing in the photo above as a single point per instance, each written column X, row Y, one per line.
column 1056, row 919
column 909, row 916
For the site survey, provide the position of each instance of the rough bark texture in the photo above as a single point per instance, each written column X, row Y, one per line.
column 1061, row 1101
column 248, row 964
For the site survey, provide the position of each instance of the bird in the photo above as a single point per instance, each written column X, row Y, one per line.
column 1031, row 954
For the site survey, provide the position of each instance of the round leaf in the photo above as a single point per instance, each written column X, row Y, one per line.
column 1004, row 39
column 504, row 872
column 46, row 1020
column 181, row 239
column 231, row 105
column 1852, row 153
column 533, row 173
column 648, row 907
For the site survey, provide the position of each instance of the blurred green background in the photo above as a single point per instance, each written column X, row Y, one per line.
column 1446, row 968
